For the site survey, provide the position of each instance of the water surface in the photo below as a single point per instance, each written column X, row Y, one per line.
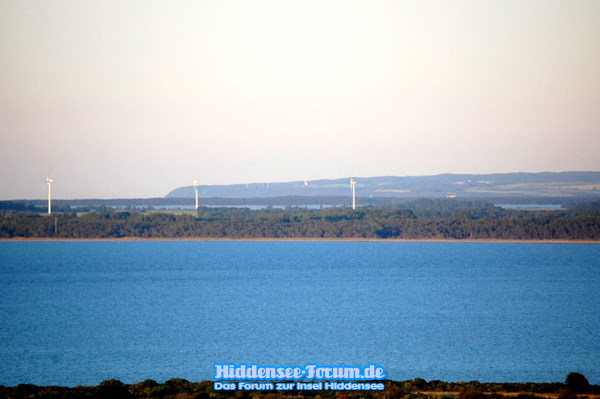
column 82, row 312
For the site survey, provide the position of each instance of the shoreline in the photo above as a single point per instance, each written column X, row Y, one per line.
column 208, row 239
column 176, row 386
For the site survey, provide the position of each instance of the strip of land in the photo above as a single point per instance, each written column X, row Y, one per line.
column 428, row 220
column 204, row 239
column 417, row 388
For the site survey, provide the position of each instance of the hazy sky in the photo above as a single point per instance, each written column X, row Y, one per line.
column 135, row 98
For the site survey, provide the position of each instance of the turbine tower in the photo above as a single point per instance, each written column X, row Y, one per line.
column 196, row 184
column 353, row 188
column 49, row 183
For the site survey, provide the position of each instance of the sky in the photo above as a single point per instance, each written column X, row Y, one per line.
column 132, row 99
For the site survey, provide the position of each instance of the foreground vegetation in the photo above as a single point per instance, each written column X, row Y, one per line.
column 419, row 219
column 575, row 386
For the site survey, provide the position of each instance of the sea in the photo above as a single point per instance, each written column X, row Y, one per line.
column 78, row 313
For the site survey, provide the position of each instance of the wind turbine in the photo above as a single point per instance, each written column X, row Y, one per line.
column 49, row 183
column 353, row 189
column 196, row 184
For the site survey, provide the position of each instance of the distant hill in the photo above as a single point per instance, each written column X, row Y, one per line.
column 545, row 184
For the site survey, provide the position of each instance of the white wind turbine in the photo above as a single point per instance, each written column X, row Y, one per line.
column 196, row 184
column 353, row 188
column 49, row 183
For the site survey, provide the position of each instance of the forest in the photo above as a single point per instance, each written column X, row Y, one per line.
column 418, row 219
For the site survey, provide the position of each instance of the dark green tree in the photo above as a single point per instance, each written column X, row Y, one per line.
column 112, row 389
column 577, row 382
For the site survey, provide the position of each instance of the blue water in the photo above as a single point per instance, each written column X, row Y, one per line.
column 83, row 312
column 530, row 206
column 251, row 207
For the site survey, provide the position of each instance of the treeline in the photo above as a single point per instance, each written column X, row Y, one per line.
column 411, row 389
column 86, row 205
column 421, row 219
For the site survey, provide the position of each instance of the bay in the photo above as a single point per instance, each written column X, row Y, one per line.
column 78, row 313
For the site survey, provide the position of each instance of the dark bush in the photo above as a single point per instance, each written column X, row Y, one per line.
column 577, row 383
